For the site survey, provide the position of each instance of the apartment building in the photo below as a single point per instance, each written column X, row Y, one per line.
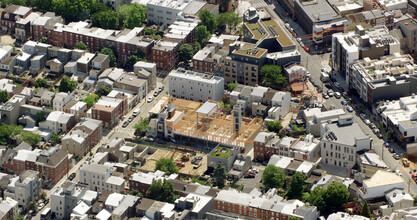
column 99, row 178
column 340, row 143
column 109, row 110
column 83, row 137
column 43, row 25
column 259, row 207
column 66, row 197
column 24, row 188
column 182, row 32
column 58, row 122
column 9, row 209
column 356, row 45
column 10, row 111
column 52, row 164
column 408, row 29
column 388, row 78
column 164, row 54
column 60, row 100
column 23, row 29
column 195, row 86
column 11, row 14
column 164, row 13
column 205, row 59
column 304, row 148
column 243, row 63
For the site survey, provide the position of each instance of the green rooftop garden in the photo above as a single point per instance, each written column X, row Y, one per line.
column 221, row 152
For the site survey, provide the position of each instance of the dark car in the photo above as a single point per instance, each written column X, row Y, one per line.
column 71, row 176
column 195, row 159
column 125, row 124
column 391, row 150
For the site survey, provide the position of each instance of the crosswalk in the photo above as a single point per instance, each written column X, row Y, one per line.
column 259, row 4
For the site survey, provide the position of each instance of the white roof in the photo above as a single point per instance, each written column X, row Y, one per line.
column 206, row 108
column 280, row 161
column 397, row 195
column 381, row 178
column 58, row 116
column 103, row 215
column 125, row 148
column 114, row 199
column 81, row 208
column 259, row 91
column 115, row 180
column 372, row 159
column 78, row 106
column 26, row 155
column 90, row 195
column 305, row 167
column 147, row 178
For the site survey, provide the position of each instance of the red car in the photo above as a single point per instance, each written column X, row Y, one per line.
column 307, row 49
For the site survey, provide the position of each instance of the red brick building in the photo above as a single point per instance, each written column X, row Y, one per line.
column 204, row 61
column 52, row 164
column 10, row 14
column 109, row 110
column 164, row 54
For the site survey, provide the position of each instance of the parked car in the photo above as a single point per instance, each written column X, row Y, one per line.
column 337, row 95
column 379, row 135
column 299, row 40
column 149, row 139
column 197, row 164
column 125, row 124
column 375, row 130
column 307, row 49
column 343, row 102
column 136, row 112
column 363, row 116
column 406, row 163
column 367, row 122
column 72, row 176
column 391, row 150
column 150, row 99
column 325, row 96
column 195, row 159
column 372, row 126
column 349, row 108
column 130, row 118
column 161, row 88
column 396, row 156
column 330, row 93
column 156, row 93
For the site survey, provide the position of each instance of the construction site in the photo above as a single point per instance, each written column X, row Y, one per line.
column 204, row 126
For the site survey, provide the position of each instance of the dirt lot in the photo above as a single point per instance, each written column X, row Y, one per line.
column 188, row 169
column 6, row 39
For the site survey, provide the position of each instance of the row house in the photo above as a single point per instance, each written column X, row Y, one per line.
column 23, row 26
column 125, row 42
column 11, row 14
column 52, row 164
column 164, row 54
column 85, row 135
column 109, row 110
column 43, row 25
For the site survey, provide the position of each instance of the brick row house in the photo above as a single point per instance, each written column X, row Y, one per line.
column 109, row 110
column 52, row 164
column 11, row 14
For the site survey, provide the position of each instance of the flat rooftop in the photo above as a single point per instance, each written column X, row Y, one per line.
column 250, row 50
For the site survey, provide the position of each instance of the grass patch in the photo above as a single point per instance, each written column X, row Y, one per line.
column 221, row 152
column 201, row 182
column 18, row 84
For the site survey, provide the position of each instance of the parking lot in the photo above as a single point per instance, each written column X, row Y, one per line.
column 251, row 183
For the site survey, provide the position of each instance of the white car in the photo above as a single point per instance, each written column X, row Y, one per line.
column 367, row 121
column 150, row 99
column 349, row 109
column 299, row 40
column 337, row 95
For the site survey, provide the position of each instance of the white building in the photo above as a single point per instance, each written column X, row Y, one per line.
column 281, row 102
column 9, row 209
column 60, row 100
column 345, row 216
column 98, row 177
column 341, row 141
column 315, row 117
column 355, row 45
column 397, row 199
column 65, row 198
column 24, row 188
column 58, row 122
column 195, row 86
column 379, row 184
column 164, row 13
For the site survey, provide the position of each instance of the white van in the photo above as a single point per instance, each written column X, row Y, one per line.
column 136, row 112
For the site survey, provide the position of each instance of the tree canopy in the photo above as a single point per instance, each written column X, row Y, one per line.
column 230, row 19
column 4, row 96
column 220, row 174
column 273, row 177
column 9, row 132
column 185, row 53
column 104, row 90
column 317, row 198
column 271, row 75
column 67, row 85
column 141, row 126
column 91, row 99
column 274, row 126
column 138, row 55
column 167, row 165
column 208, row 19
column 106, row 19
column 40, row 82
column 329, row 199
column 132, row 15
column 296, row 188
column 110, row 53
column 366, row 212
column 161, row 190
column 43, row 40
column 30, row 138
column 81, row 46
column 202, row 35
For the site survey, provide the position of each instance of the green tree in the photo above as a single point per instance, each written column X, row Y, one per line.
column 42, row 195
column 273, row 177
column 91, row 99
column 185, row 53
column 4, row 96
column 40, row 83
column 141, row 127
column 271, row 75
column 167, row 165
column 161, row 190
column 104, row 90
column 135, row 193
column 138, row 55
column 274, row 126
column 55, row 138
column 20, row 217
column 230, row 19
column 232, row 86
column 81, row 46
column 220, row 174
column 202, row 35
column 9, row 132
column 33, row 205
column 293, row 218
column 296, row 188
column 43, row 40
column 110, row 53
column 317, row 198
column 67, row 85
column 106, row 19
column 208, row 19
column 336, row 195
column 30, row 138
column 366, row 212
column 132, row 15
column 40, row 116
column 71, row 10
